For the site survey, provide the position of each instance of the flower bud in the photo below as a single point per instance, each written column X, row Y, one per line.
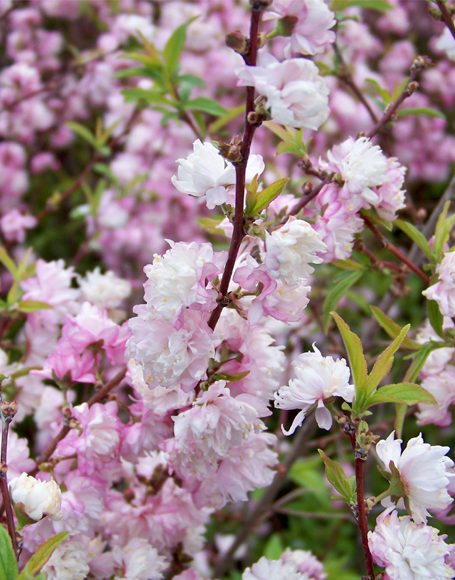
column 36, row 498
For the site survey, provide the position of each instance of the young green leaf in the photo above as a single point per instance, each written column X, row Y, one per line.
column 380, row 5
column 356, row 357
column 8, row 564
column 205, row 105
column 32, row 306
column 435, row 317
column 408, row 393
column 8, row 262
column 274, row 547
column 426, row 111
column 444, row 226
column 416, row 236
column 384, row 361
column 392, row 328
column 338, row 478
column 174, row 46
column 265, row 197
column 345, row 281
column 83, row 132
column 41, row 556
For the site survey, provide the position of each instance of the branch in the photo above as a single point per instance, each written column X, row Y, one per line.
column 264, row 505
column 446, row 16
column 396, row 251
column 240, row 170
column 7, row 412
column 95, row 398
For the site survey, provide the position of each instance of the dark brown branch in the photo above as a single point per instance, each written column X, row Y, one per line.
column 396, row 251
column 446, row 16
column 346, row 77
column 6, row 497
column 240, row 170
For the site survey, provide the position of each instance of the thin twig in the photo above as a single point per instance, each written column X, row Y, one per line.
column 446, row 16
column 96, row 398
column 396, row 251
column 240, row 170
column 7, row 503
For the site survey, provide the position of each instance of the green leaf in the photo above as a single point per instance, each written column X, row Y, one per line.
column 205, row 105
column 337, row 477
column 32, row 306
column 307, row 473
column 41, row 556
column 435, row 317
column 381, row 5
column 174, row 47
column 379, row 90
column 83, row 132
column 226, row 118
column 421, row 111
column 262, row 199
column 408, row 393
column 416, row 236
column 392, row 328
column 210, row 225
column 345, row 281
column 356, row 357
column 384, row 361
column 419, row 360
column 146, row 95
column 274, row 547
column 8, row 564
column 444, row 226
column 349, row 264
column 8, row 262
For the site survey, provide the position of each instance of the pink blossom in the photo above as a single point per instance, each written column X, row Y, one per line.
column 443, row 292
column 296, row 94
column 311, row 20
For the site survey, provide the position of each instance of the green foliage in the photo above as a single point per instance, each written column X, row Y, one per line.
column 435, row 317
column 274, row 547
column 416, row 236
column 344, row 282
column 392, row 328
column 41, row 556
column 380, row 5
column 425, row 111
column 257, row 201
column 291, row 139
column 443, row 229
column 341, row 482
column 8, row 564
column 408, row 393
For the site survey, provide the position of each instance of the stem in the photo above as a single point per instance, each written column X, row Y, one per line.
column 346, row 77
column 240, row 170
column 96, row 398
column 446, row 16
column 396, row 251
column 7, row 503
column 362, row 520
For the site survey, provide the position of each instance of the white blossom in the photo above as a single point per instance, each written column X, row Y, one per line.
column 409, row 551
column 317, row 378
column 424, row 472
column 104, row 290
column 291, row 249
column 68, row 562
column 37, row 498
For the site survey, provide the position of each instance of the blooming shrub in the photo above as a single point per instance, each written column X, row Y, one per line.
column 227, row 293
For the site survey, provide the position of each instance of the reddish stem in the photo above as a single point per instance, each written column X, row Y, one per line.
column 396, row 251
column 240, row 170
column 7, row 503
column 446, row 16
column 362, row 519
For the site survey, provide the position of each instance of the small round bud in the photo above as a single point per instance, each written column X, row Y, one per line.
column 238, row 42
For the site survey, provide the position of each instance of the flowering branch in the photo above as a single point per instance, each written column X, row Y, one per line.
column 446, row 16
column 396, row 251
column 8, row 411
column 361, row 515
column 96, row 398
column 240, row 167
